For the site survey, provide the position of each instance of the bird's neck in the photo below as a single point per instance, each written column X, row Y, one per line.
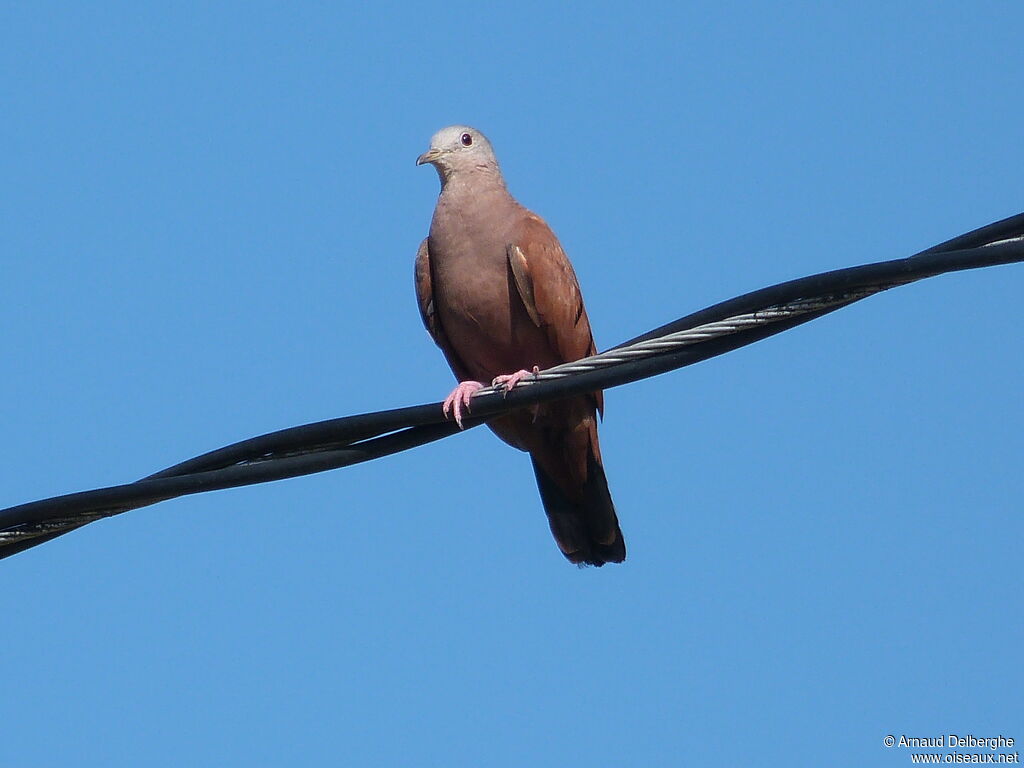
column 472, row 181
column 470, row 207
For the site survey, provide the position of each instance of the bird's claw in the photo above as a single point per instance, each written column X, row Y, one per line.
column 508, row 381
column 459, row 399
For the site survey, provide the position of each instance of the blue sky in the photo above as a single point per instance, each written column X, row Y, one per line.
column 210, row 214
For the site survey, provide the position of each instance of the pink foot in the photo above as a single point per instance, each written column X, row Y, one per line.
column 508, row 381
column 459, row 399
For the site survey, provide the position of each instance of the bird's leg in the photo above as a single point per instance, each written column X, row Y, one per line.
column 509, row 380
column 459, row 399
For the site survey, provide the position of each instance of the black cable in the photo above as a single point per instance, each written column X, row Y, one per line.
column 350, row 440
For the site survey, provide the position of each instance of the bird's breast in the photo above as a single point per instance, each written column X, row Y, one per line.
column 476, row 298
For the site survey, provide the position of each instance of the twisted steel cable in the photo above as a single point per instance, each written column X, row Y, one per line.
column 350, row 440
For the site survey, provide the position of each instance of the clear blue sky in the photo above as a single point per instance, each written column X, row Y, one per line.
column 209, row 219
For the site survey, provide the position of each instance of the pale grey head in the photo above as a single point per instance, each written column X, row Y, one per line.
column 458, row 150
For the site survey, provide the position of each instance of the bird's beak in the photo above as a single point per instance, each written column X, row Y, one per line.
column 429, row 156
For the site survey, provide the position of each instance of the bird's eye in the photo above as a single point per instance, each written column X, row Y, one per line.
column 466, row 139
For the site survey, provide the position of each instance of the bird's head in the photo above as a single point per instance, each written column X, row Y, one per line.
column 459, row 149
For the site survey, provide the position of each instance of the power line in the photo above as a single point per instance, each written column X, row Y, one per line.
column 336, row 443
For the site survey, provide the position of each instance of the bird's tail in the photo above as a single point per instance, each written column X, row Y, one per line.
column 586, row 528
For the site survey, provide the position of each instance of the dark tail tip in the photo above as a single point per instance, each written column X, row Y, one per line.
column 587, row 530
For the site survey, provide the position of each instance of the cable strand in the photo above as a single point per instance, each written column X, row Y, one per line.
column 341, row 442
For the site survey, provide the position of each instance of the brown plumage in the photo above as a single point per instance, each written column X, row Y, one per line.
column 498, row 295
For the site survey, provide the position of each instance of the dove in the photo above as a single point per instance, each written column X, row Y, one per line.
column 499, row 297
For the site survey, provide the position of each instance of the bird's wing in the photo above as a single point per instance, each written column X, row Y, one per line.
column 425, row 299
column 550, row 292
